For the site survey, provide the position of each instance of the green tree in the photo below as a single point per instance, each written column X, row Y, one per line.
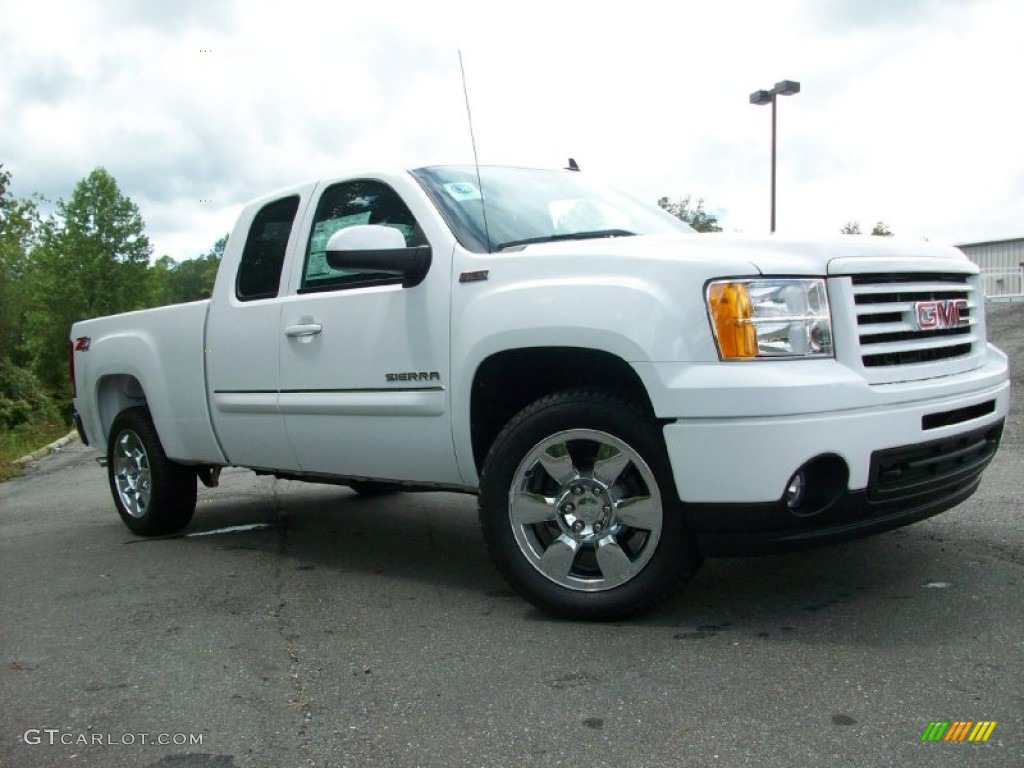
column 161, row 278
column 22, row 400
column 694, row 215
column 853, row 228
column 92, row 258
column 196, row 276
column 189, row 280
column 19, row 221
column 218, row 247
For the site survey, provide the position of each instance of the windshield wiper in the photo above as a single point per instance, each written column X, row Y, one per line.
column 567, row 236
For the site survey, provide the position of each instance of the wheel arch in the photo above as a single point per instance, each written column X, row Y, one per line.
column 114, row 393
column 506, row 382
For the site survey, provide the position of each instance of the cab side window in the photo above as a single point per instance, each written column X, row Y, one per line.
column 259, row 274
column 345, row 205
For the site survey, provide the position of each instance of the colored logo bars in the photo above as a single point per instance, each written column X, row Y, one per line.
column 958, row 730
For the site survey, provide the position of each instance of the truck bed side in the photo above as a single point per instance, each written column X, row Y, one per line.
column 156, row 358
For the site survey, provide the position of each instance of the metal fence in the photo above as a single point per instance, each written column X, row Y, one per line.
column 1003, row 284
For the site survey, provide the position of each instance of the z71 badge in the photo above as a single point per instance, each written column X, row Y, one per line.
column 413, row 376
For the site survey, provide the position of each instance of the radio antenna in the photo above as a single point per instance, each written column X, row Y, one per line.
column 476, row 161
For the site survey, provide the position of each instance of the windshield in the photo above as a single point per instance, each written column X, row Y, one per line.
column 526, row 206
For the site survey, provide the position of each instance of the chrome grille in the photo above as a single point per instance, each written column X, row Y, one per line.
column 886, row 314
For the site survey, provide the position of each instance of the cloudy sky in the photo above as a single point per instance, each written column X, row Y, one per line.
column 909, row 111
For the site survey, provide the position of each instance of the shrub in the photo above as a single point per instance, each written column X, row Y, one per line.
column 23, row 399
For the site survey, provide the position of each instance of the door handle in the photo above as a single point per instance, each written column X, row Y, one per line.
column 303, row 329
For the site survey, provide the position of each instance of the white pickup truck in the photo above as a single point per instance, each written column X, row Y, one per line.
column 624, row 396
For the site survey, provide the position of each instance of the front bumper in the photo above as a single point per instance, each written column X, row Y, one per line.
column 879, row 456
column 760, row 424
column 907, row 484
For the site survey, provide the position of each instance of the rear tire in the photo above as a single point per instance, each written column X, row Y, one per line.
column 154, row 495
column 580, row 511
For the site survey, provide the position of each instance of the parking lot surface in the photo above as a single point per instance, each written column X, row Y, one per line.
column 301, row 625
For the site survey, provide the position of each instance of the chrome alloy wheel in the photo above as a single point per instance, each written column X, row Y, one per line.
column 585, row 510
column 132, row 473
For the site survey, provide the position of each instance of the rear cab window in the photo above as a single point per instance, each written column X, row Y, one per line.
column 259, row 273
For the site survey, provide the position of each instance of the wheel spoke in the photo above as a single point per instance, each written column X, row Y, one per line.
column 557, row 560
column 609, row 463
column 558, row 463
column 615, row 564
column 639, row 512
column 132, row 474
column 531, row 508
column 575, row 495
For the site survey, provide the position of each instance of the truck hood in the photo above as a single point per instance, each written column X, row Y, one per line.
column 780, row 255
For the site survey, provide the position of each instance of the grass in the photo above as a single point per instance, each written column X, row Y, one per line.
column 24, row 439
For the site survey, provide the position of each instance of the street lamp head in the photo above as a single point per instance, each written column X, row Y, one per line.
column 761, row 98
column 786, row 88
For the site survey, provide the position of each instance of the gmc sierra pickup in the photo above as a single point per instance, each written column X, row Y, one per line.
column 624, row 396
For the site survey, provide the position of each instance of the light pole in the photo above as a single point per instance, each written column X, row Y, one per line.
column 782, row 88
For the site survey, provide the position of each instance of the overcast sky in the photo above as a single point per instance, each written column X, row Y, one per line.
column 909, row 111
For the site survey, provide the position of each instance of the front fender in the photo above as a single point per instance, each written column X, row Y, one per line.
column 632, row 318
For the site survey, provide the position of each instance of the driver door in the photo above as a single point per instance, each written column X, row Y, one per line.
column 364, row 361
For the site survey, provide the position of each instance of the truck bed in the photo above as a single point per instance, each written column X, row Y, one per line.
column 157, row 351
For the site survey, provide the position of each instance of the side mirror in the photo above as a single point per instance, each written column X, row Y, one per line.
column 376, row 248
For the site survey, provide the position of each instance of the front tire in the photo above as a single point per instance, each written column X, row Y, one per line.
column 154, row 495
column 580, row 511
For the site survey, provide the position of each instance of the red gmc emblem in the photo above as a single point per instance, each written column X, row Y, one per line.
column 945, row 313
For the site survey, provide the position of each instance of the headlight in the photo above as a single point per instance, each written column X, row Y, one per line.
column 757, row 319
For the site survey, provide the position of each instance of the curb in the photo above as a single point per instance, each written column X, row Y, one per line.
column 53, row 447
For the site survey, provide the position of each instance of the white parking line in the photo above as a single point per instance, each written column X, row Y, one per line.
column 231, row 529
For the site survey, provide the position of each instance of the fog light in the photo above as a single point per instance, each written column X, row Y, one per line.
column 795, row 490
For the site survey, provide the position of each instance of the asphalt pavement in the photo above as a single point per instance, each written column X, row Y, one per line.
column 326, row 629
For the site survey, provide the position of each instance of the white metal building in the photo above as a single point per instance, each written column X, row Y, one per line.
column 1002, row 266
